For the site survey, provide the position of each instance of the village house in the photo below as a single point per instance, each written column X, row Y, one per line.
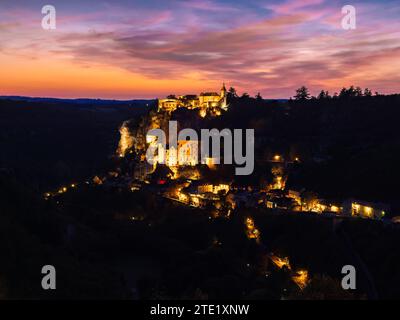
column 364, row 209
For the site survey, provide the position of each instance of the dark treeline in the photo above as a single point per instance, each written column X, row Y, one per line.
column 348, row 144
column 46, row 143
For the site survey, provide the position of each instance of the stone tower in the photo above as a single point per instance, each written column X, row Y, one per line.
column 223, row 91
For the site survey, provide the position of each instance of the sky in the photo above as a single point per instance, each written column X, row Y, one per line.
column 125, row 49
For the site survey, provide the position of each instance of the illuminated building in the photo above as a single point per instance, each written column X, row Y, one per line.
column 322, row 206
column 301, row 278
column 279, row 183
column 204, row 101
column 210, row 162
column 169, row 104
column 280, row 262
column 171, row 157
column 194, row 201
column 277, row 158
column 213, row 188
column 183, row 197
column 363, row 209
column 188, row 153
column 295, row 195
column 203, row 112
column 336, row 209
column 96, row 180
column 270, row 204
column 251, row 230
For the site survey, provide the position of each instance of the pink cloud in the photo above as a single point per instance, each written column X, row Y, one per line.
column 207, row 5
column 301, row 43
column 291, row 6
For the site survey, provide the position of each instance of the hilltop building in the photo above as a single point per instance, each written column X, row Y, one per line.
column 204, row 101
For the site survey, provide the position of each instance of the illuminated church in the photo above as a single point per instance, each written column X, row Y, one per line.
column 205, row 101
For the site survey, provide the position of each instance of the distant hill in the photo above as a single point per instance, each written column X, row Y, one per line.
column 93, row 101
column 79, row 101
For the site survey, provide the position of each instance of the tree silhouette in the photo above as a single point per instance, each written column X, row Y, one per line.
column 354, row 92
column 323, row 95
column 367, row 92
column 232, row 92
column 302, row 93
column 358, row 92
column 350, row 92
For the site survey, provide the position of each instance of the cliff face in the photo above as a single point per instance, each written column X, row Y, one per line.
column 126, row 141
column 133, row 133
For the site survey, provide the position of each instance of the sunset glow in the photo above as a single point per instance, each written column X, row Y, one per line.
column 136, row 49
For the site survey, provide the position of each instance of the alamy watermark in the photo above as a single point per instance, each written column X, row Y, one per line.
column 235, row 149
column 349, row 280
column 349, row 21
column 49, row 20
column 49, row 280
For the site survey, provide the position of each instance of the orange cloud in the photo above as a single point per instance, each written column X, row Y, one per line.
column 149, row 52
